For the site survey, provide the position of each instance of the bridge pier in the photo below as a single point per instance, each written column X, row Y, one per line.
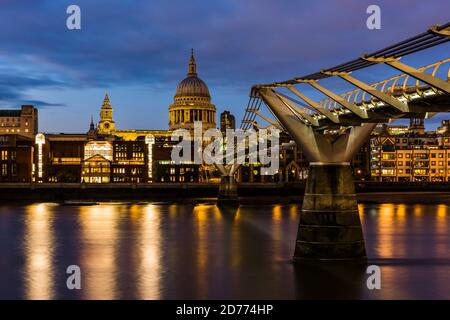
column 227, row 195
column 329, row 227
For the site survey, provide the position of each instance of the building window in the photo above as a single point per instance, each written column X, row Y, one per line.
column 102, row 148
column 420, row 172
column 4, row 155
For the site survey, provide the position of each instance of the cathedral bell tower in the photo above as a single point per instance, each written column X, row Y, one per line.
column 106, row 124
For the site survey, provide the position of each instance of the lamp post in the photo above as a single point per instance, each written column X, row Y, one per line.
column 40, row 141
column 150, row 141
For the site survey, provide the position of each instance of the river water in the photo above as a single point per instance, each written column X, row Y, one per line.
column 180, row 251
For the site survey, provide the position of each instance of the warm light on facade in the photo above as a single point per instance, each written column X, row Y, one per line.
column 150, row 141
column 40, row 141
column 101, row 148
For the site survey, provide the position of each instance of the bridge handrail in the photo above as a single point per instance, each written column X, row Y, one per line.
column 385, row 87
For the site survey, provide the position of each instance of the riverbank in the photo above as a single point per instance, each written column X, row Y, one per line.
column 249, row 193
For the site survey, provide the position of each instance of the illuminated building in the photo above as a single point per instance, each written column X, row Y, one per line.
column 421, row 157
column 23, row 122
column 64, row 155
column 227, row 121
column 444, row 128
column 96, row 165
column 396, row 130
column 16, row 158
column 106, row 124
column 165, row 170
column 106, row 154
column 130, row 161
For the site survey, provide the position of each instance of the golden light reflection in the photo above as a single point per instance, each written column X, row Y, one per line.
column 149, row 270
column 441, row 247
column 385, row 230
column 361, row 212
column 201, row 216
column 276, row 232
column 401, row 212
column 135, row 212
column 39, row 251
column 442, row 214
column 418, row 210
column 173, row 209
column 99, row 229
column 276, row 213
column 293, row 212
column 206, row 218
column 237, row 217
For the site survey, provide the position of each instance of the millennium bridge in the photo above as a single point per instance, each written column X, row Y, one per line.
column 331, row 131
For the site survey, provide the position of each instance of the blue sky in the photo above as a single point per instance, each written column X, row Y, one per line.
column 138, row 50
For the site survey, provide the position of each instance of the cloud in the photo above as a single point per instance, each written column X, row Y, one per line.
column 238, row 43
column 42, row 104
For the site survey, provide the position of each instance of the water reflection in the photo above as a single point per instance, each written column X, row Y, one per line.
column 330, row 281
column 99, row 237
column 158, row 251
column 149, row 270
column 39, row 247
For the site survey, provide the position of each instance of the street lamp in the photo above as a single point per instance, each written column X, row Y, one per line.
column 40, row 141
column 150, row 141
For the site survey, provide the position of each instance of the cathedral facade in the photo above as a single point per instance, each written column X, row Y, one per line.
column 192, row 102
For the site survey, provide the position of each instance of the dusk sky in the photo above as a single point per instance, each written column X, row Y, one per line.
column 138, row 51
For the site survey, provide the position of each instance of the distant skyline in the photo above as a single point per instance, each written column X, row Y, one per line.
column 138, row 51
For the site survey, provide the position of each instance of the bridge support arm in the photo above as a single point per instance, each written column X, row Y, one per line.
column 327, row 113
column 303, row 134
column 271, row 122
column 301, row 112
column 350, row 106
column 395, row 103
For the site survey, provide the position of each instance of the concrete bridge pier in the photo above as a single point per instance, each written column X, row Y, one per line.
column 227, row 195
column 329, row 227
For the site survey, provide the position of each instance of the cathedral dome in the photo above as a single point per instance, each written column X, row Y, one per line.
column 192, row 85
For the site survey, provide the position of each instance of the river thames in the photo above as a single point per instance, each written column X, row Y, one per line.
column 180, row 251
